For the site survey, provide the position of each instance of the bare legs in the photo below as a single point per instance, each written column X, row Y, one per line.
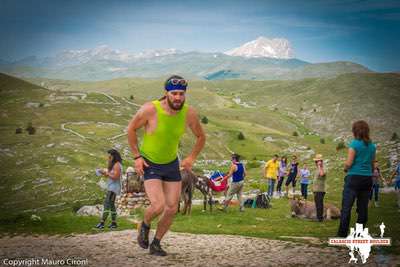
column 164, row 198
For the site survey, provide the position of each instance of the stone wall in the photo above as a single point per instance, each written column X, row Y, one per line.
column 129, row 201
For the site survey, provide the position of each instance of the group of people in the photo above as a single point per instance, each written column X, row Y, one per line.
column 164, row 122
column 275, row 171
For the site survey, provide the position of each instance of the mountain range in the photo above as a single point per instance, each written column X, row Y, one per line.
column 260, row 59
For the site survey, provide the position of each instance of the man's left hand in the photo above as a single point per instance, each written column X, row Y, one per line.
column 187, row 163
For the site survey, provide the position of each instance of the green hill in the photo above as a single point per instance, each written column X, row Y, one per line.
column 324, row 106
column 54, row 168
column 76, row 122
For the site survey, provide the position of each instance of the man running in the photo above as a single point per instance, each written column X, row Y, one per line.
column 164, row 123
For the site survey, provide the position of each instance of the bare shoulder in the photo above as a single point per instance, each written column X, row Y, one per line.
column 147, row 109
column 192, row 118
column 117, row 167
column 191, row 112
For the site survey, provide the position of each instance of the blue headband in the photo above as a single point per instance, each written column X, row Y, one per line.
column 170, row 87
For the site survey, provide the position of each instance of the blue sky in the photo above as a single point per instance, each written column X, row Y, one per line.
column 366, row 32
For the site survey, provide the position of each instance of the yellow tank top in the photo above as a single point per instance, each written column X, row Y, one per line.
column 161, row 146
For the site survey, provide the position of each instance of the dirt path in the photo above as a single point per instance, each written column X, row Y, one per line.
column 119, row 249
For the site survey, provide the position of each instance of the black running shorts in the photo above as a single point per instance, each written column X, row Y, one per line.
column 166, row 172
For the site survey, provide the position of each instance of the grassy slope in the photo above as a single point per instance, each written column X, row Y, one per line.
column 327, row 106
column 31, row 160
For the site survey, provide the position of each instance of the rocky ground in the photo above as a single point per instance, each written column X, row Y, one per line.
column 119, row 248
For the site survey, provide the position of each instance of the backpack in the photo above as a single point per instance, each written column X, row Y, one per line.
column 262, row 201
column 248, row 203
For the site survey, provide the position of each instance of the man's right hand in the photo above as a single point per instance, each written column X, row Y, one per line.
column 140, row 164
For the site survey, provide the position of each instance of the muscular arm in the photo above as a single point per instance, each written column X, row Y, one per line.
column 195, row 126
column 138, row 121
column 232, row 169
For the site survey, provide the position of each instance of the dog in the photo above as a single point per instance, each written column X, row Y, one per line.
column 306, row 209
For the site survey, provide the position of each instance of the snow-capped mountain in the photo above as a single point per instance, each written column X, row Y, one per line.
column 264, row 47
column 261, row 59
column 158, row 53
column 103, row 52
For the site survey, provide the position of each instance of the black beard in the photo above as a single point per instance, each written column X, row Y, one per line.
column 171, row 105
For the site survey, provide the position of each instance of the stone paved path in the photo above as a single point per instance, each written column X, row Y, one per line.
column 119, row 248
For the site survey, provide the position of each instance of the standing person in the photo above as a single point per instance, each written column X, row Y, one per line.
column 238, row 173
column 164, row 123
column 376, row 178
column 304, row 176
column 292, row 175
column 358, row 181
column 271, row 173
column 319, row 186
column 281, row 174
column 114, row 174
column 396, row 180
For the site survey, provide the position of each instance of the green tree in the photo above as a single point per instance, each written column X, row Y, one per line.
column 30, row 129
column 340, row 145
column 241, row 136
column 395, row 137
column 204, row 120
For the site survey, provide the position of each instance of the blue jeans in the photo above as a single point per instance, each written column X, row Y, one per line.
column 355, row 187
column 374, row 190
column 271, row 186
column 304, row 190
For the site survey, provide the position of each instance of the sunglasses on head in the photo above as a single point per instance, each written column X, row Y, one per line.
column 178, row 81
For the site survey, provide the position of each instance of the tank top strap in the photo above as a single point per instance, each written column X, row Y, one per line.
column 157, row 104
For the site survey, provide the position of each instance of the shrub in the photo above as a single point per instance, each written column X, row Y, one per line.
column 322, row 140
column 295, row 133
column 131, row 97
column 30, row 129
column 98, row 200
column 18, row 131
column 253, row 164
column 76, row 206
column 394, row 137
column 241, row 136
column 204, row 120
column 41, row 105
column 340, row 145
